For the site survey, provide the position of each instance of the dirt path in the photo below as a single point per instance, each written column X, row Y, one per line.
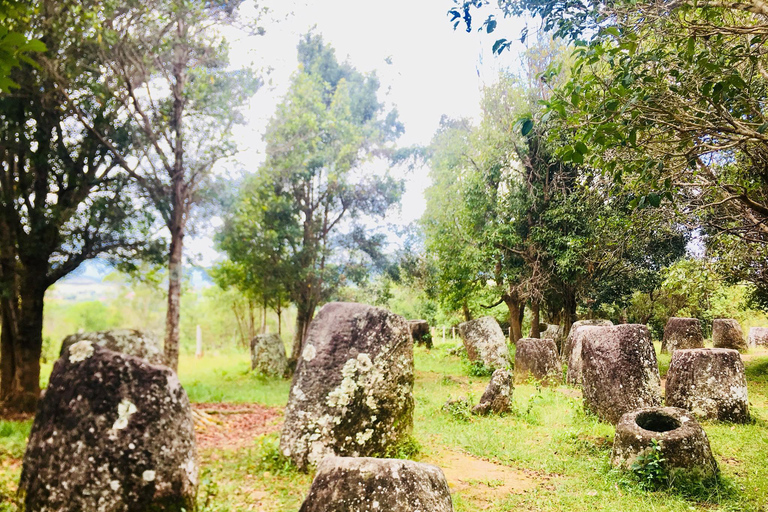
column 236, row 425
column 481, row 481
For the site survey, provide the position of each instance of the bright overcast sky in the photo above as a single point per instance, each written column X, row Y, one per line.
column 434, row 70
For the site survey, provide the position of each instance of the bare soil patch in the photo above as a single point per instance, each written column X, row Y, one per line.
column 234, row 426
column 482, row 481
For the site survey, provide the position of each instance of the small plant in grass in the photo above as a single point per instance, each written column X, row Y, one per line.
column 478, row 369
column 407, row 448
column 650, row 468
column 459, row 409
column 528, row 414
column 209, row 489
column 271, row 459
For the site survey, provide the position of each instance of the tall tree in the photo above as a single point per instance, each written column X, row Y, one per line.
column 669, row 99
column 313, row 188
column 63, row 197
column 166, row 64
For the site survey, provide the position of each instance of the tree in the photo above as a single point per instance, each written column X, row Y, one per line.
column 63, row 197
column 304, row 206
column 669, row 99
column 529, row 228
column 166, row 64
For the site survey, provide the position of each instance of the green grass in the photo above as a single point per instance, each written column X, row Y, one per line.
column 547, row 437
column 227, row 378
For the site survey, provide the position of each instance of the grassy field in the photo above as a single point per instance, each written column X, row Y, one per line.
column 548, row 455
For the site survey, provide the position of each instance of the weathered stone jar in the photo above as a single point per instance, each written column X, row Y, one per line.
column 420, row 332
column 537, row 358
column 573, row 374
column 684, row 444
column 709, row 382
column 268, row 355
column 112, row 433
column 352, row 393
column 497, row 397
column 360, row 484
column 133, row 342
column 485, row 342
column 682, row 333
column 620, row 372
column 727, row 333
column 568, row 345
column 758, row 336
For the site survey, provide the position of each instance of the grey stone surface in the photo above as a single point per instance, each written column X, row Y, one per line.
column 619, row 372
column 361, row 484
column 497, row 397
column 420, row 332
column 709, row 382
column 758, row 336
column 112, row 433
column 576, row 341
column 684, row 444
column 352, row 393
column 537, row 358
column 268, row 355
column 727, row 333
column 681, row 333
column 567, row 347
column 555, row 333
column 485, row 341
column 133, row 342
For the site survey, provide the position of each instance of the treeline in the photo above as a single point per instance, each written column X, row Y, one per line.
column 623, row 173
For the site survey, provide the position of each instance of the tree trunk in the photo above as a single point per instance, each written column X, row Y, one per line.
column 264, row 317
column 465, row 310
column 304, row 315
column 515, row 325
column 279, row 311
column 22, row 343
column 173, row 314
column 535, row 318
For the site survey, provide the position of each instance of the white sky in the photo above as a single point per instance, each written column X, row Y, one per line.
column 434, row 70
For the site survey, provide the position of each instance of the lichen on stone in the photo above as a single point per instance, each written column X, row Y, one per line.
column 80, row 351
column 124, row 411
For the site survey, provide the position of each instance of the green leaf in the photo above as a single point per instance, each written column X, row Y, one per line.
column 581, row 148
column 527, row 127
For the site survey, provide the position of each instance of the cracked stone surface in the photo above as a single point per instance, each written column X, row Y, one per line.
column 537, row 358
column 352, row 393
column 485, row 341
column 727, row 333
column 133, row 342
column 112, row 433
column 497, row 398
column 268, row 355
column 683, row 442
column 709, row 382
column 361, row 484
column 619, row 372
column 681, row 333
